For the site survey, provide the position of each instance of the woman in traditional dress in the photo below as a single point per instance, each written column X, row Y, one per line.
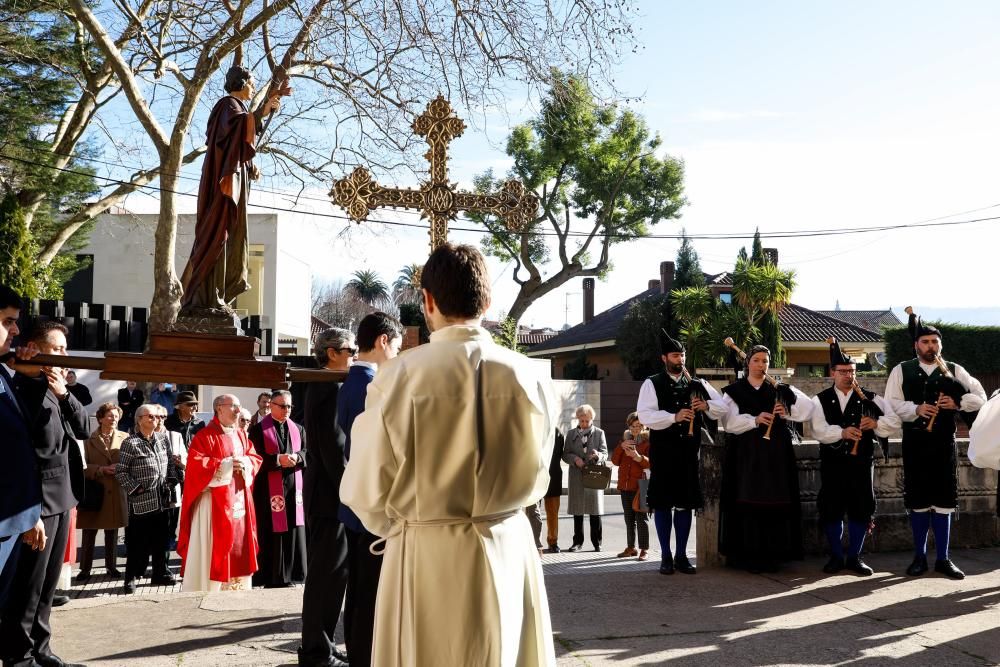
column 760, row 521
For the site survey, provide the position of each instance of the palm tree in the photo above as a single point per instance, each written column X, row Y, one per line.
column 762, row 290
column 406, row 289
column 367, row 286
column 692, row 306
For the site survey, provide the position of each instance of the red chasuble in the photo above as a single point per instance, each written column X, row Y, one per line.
column 234, row 541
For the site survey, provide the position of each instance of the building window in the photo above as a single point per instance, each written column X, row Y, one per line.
column 251, row 302
column 726, row 297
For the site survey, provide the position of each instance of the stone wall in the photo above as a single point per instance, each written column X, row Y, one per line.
column 976, row 523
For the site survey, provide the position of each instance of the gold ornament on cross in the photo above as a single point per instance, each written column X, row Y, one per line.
column 437, row 199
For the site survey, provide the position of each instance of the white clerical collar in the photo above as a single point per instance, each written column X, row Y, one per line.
column 366, row 364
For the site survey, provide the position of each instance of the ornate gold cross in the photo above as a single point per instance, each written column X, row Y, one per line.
column 437, row 199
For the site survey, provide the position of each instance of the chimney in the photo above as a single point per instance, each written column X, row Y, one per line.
column 771, row 255
column 666, row 277
column 588, row 300
column 654, row 284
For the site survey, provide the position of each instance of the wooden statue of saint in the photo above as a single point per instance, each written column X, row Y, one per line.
column 216, row 272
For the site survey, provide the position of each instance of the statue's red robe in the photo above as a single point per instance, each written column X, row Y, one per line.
column 234, row 541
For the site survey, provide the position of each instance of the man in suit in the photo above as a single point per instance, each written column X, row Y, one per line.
column 55, row 418
column 129, row 399
column 326, row 577
column 379, row 339
column 20, row 492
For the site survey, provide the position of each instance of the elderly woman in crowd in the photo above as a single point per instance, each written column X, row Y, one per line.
column 101, row 452
column 246, row 419
column 585, row 444
column 146, row 472
column 632, row 458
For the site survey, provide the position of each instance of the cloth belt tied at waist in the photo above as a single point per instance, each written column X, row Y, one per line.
column 400, row 526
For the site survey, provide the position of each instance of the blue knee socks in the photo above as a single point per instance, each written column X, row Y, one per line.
column 834, row 535
column 942, row 534
column 920, row 522
column 856, row 532
column 682, row 524
column 662, row 520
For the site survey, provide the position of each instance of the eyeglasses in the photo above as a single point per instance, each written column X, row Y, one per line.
column 155, row 416
column 281, row 405
column 352, row 350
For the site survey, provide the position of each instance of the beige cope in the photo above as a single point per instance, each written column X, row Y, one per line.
column 454, row 441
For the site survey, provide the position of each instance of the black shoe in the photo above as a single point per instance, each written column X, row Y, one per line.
column 859, row 567
column 575, row 548
column 948, row 569
column 834, row 565
column 54, row 661
column 597, row 547
column 129, row 586
column 684, row 566
column 60, row 600
column 339, row 655
column 165, row 579
column 667, row 565
column 82, row 576
column 917, row 567
column 114, row 574
column 553, row 549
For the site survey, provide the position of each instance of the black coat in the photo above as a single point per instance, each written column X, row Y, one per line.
column 54, row 426
column 19, row 472
column 555, row 467
column 325, row 457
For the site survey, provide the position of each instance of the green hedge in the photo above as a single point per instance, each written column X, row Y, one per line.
column 974, row 347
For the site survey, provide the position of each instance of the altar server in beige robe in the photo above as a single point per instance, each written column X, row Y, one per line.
column 454, row 441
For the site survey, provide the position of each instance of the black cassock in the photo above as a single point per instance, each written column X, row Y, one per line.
column 760, row 518
column 281, row 558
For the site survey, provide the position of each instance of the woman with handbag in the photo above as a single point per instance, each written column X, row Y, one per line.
column 103, row 506
column 632, row 458
column 585, row 451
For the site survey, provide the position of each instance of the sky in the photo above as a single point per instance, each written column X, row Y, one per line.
column 788, row 116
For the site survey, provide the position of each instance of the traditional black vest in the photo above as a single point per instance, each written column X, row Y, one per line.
column 919, row 387
column 752, row 401
column 671, row 396
column 850, row 416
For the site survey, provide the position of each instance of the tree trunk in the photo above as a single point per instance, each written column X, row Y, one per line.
column 166, row 287
column 535, row 288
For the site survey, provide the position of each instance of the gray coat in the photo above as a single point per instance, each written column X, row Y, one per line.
column 583, row 500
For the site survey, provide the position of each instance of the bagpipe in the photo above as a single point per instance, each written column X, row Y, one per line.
column 695, row 389
column 784, row 393
column 946, row 385
column 869, row 408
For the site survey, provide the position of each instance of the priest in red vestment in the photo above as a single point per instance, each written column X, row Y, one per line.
column 218, row 538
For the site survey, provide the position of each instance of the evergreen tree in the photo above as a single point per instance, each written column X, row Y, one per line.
column 16, row 265
column 687, row 270
column 579, row 368
column 757, row 254
column 741, row 256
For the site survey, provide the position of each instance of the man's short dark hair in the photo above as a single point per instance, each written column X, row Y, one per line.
column 41, row 330
column 10, row 299
column 456, row 276
column 236, row 78
column 373, row 326
column 263, row 394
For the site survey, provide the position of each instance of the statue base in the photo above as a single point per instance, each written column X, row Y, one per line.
column 214, row 321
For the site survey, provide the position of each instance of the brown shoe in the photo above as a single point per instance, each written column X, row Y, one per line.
column 643, row 555
column 629, row 551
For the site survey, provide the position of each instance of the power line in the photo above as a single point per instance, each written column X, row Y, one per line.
column 793, row 234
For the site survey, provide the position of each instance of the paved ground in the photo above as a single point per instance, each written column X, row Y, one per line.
column 605, row 611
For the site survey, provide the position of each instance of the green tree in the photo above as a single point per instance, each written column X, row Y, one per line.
column 595, row 170
column 692, row 307
column 741, row 256
column 39, row 49
column 762, row 290
column 687, row 270
column 16, row 249
column 506, row 333
column 579, row 368
column 411, row 315
column 637, row 340
column 369, row 287
column 757, row 253
column 406, row 288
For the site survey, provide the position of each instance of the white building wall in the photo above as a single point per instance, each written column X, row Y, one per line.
column 122, row 246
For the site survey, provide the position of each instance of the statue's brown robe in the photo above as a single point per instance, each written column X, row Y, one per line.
column 216, row 272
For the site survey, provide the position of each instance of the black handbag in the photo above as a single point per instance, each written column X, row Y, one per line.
column 596, row 476
column 93, row 496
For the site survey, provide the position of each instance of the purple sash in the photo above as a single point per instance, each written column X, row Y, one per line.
column 275, row 478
